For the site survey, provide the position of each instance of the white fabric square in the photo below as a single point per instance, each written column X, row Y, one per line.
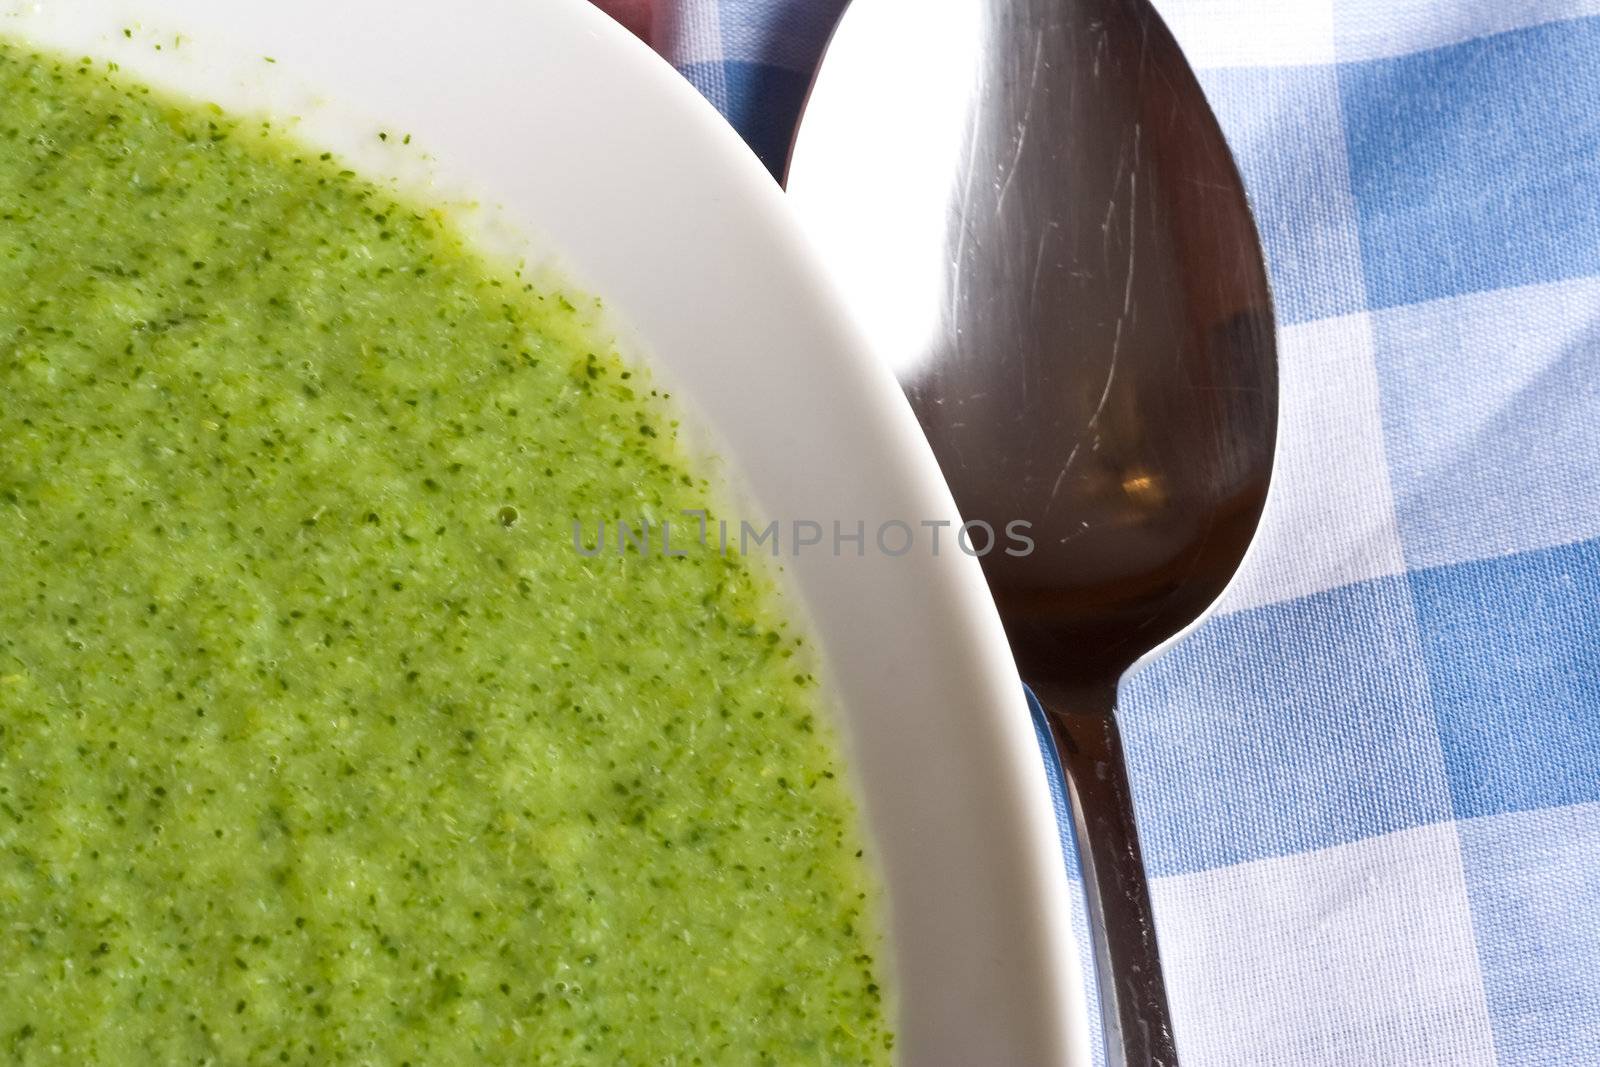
column 1357, row 955
column 1376, row 29
column 1286, row 127
column 1491, row 398
column 1526, row 871
column 1330, row 517
column 1249, row 33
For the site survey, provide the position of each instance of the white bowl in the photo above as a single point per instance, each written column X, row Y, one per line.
column 602, row 160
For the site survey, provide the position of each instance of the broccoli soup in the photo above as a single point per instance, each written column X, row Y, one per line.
column 319, row 740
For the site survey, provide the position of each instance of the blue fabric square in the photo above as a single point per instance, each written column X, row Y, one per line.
column 778, row 33
column 1287, row 135
column 1513, row 653
column 1532, row 880
column 1284, row 729
column 1490, row 420
column 762, row 102
column 1477, row 166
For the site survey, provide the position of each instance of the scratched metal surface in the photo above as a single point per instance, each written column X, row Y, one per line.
column 1040, row 225
column 1037, row 220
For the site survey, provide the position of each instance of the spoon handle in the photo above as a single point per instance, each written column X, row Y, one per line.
column 1133, row 995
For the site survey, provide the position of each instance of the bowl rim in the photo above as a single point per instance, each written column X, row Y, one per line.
column 668, row 215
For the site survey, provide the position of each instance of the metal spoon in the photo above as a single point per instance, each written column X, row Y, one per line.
column 1032, row 209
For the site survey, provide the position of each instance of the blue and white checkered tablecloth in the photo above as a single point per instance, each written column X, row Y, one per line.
column 1369, row 788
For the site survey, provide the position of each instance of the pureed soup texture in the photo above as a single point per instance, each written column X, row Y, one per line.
column 319, row 742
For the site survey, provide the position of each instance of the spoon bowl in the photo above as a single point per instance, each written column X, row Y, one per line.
column 1035, row 217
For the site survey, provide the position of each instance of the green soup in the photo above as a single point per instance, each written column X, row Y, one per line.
column 319, row 742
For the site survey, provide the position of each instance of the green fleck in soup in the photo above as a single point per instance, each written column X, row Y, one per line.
column 319, row 742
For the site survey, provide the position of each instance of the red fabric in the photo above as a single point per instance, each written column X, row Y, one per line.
column 636, row 15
